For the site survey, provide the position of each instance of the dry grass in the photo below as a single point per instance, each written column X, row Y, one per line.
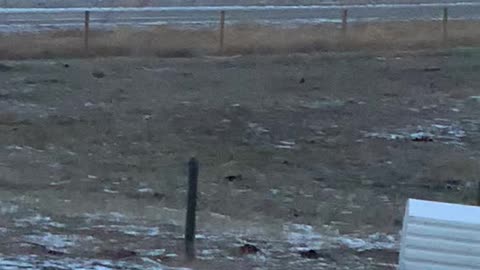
column 240, row 39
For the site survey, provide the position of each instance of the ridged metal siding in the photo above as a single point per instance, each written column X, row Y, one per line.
column 439, row 244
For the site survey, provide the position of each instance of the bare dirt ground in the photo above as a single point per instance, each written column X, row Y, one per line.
column 297, row 152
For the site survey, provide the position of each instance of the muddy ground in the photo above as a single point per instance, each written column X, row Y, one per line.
column 297, row 152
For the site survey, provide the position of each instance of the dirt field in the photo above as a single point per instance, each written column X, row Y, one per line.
column 297, row 152
column 163, row 41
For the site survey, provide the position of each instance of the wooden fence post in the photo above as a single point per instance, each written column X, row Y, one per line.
column 193, row 168
column 344, row 22
column 86, row 31
column 222, row 30
column 445, row 25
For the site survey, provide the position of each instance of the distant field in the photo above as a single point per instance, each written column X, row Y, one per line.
column 240, row 39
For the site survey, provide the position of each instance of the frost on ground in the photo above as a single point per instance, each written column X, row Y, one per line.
column 303, row 237
column 37, row 220
column 35, row 262
column 57, row 242
column 444, row 132
column 132, row 230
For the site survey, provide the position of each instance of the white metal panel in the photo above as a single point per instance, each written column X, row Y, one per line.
column 440, row 236
column 444, row 211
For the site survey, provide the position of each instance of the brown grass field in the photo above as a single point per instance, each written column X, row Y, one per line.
column 240, row 39
column 296, row 153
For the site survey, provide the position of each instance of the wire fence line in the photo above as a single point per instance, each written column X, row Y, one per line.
column 37, row 19
column 233, row 29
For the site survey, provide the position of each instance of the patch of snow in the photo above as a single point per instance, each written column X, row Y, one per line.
column 274, row 191
column 35, row 262
column 210, row 251
column 200, row 236
column 439, row 126
column 226, row 121
column 59, row 183
column 38, row 220
column 447, row 133
column 287, row 142
column 285, row 145
column 8, row 208
column 151, row 253
column 107, row 190
column 56, row 241
column 386, row 136
column 421, row 135
column 373, row 241
column 55, row 165
column 131, row 229
column 259, row 258
column 302, row 237
column 14, row 147
column 112, row 217
column 258, row 129
column 219, row 216
column 145, row 190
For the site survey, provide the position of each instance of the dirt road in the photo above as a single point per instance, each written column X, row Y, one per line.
column 167, row 3
column 297, row 152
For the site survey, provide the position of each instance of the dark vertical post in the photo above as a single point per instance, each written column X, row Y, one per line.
column 478, row 193
column 344, row 22
column 191, row 208
column 86, row 30
column 445, row 25
column 222, row 30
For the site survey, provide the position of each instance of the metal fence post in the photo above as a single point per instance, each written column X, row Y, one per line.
column 478, row 193
column 344, row 22
column 193, row 168
column 86, row 31
column 445, row 25
column 222, row 30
